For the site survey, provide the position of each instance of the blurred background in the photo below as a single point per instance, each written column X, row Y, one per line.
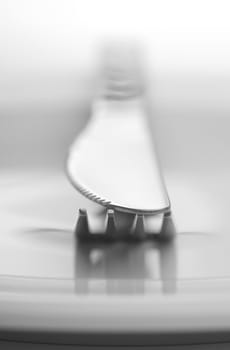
column 49, row 52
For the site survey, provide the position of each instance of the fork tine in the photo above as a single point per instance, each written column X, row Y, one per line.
column 111, row 223
column 82, row 227
column 138, row 229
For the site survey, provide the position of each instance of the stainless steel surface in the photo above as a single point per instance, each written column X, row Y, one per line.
column 113, row 161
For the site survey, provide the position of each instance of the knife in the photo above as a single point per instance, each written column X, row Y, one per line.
column 113, row 162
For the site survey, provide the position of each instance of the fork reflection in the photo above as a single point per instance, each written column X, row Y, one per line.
column 124, row 268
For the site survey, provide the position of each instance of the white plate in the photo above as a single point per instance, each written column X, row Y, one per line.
column 52, row 288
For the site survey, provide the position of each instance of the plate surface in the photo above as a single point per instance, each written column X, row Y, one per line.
column 51, row 285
